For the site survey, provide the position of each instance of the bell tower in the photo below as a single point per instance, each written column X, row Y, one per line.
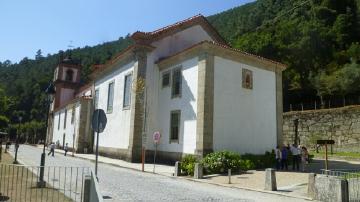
column 66, row 80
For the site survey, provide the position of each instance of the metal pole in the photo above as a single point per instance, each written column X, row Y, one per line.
column 326, row 157
column 41, row 182
column 49, row 92
column 296, row 123
column 142, row 159
column 97, row 145
column 1, row 149
column 155, row 157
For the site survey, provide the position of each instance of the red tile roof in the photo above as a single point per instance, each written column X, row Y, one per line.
column 142, row 37
column 225, row 47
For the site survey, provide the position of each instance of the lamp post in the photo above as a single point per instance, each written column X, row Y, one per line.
column 296, row 123
column 50, row 91
column 17, row 140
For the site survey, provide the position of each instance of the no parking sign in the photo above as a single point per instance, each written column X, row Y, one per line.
column 156, row 137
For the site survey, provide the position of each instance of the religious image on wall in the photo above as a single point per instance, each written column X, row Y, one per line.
column 247, row 79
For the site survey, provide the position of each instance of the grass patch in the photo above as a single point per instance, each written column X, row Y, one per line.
column 18, row 183
column 321, row 154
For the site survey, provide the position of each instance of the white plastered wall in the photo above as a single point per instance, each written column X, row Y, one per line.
column 187, row 104
column 117, row 130
column 164, row 48
column 70, row 129
column 244, row 119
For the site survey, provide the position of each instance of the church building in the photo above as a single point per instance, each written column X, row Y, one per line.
column 183, row 81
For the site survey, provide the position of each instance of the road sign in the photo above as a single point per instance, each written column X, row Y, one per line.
column 156, row 137
column 325, row 142
column 99, row 120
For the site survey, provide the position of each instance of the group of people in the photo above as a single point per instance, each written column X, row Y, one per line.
column 52, row 149
column 300, row 155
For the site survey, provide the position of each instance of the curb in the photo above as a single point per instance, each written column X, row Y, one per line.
column 248, row 189
column 195, row 180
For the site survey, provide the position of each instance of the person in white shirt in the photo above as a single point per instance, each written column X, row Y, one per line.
column 296, row 157
column 277, row 157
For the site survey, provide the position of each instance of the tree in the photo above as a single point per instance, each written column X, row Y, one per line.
column 38, row 55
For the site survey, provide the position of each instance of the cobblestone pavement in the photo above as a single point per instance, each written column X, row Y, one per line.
column 128, row 185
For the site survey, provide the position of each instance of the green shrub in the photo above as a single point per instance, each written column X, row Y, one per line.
column 187, row 164
column 246, row 164
column 220, row 162
column 260, row 161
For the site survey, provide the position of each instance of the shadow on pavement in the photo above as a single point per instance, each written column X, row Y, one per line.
column 316, row 165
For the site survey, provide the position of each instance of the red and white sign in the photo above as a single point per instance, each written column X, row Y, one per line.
column 156, row 137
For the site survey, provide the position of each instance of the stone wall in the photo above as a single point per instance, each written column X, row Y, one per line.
column 340, row 124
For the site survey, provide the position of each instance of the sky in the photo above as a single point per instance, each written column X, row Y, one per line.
column 49, row 25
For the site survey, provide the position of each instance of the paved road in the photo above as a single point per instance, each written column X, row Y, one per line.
column 128, row 185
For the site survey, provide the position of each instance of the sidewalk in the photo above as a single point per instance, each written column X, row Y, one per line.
column 291, row 184
column 159, row 169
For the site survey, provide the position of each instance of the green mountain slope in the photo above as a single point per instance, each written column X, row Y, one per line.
column 315, row 38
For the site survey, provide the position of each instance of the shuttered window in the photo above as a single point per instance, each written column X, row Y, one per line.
column 110, row 100
column 176, row 83
column 175, row 126
column 127, row 90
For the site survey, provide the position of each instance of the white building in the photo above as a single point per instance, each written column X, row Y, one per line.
column 199, row 93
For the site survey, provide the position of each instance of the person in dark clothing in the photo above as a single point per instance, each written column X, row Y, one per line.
column 52, row 149
column 66, row 148
column 284, row 158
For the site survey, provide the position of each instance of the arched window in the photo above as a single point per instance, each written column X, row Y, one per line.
column 247, row 77
column 69, row 75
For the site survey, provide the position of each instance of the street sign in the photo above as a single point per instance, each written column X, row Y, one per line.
column 156, row 137
column 325, row 142
column 99, row 120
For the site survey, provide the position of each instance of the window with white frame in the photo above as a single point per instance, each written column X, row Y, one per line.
column 72, row 115
column 175, row 125
column 176, row 83
column 127, row 91
column 110, row 100
column 59, row 122
column 165, row 82
column 65, row 116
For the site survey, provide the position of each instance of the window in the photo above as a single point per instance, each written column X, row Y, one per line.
column 247, row 79
column 72, row 115
column 96, row 100
column 176, row 83
column 165, row 79
column 69, row 75
column 59, row 122
column 127, row 90
column 65, row 116
column 175, row 126
column 110, row 97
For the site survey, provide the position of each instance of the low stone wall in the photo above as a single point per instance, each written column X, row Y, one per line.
column 330, row 188
column 339, row 124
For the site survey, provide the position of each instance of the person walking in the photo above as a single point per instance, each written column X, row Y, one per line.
column 284, row 156
column 296, row 157
column 66, row 148
column 52, row 149
column 277, row 157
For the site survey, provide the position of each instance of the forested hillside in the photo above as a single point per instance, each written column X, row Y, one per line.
column 317, row 39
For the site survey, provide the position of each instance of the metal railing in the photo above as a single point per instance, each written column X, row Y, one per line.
column 353, row 179
column 20, row 183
